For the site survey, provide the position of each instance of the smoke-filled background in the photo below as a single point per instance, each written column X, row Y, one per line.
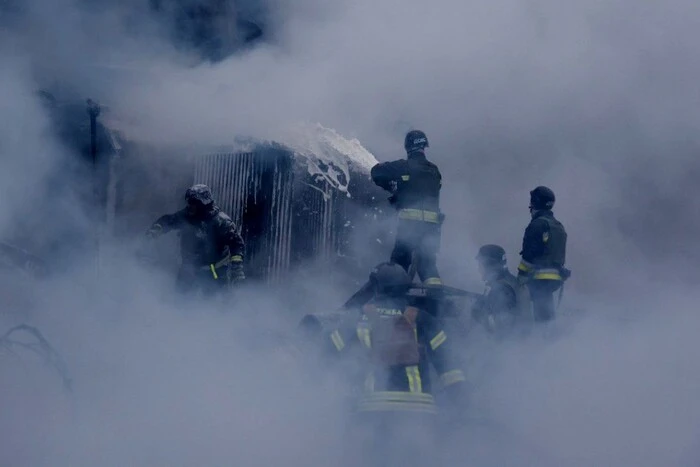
column 598, row 100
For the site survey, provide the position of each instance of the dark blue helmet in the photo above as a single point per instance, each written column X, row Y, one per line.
column 542, row 198
column 390, row 279
column 492, row 255
column 415, row 140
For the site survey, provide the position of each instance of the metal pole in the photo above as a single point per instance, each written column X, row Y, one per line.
column 93, row 110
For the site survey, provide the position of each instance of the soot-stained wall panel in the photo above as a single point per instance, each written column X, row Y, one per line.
column 254, row 189
column 289, row 216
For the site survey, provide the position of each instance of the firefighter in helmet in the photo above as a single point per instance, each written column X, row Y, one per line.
column 415, row 184
column 211, row 247
column 505, row 301
column 543, row 254
column 395, row 412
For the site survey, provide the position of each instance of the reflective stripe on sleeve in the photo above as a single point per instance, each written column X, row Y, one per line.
column 452, row 377
column 337, row 340
column 419, row 215
column 415, row 384
column 438, row 340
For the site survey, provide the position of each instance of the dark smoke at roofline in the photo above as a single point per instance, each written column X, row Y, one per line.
column 597, row 101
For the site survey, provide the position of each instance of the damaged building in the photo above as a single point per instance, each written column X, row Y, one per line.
column 300, row 210
column 304, row 206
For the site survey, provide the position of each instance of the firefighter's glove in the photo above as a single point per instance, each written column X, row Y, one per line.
column 155, row 231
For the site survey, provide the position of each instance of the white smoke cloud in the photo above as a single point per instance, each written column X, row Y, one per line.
column 596, row 100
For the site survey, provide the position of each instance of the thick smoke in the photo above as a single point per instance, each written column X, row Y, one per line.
column 596, row 100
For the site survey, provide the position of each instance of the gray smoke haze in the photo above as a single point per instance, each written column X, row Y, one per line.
column 597, row 100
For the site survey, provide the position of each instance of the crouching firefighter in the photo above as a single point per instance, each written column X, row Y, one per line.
column 394, row 344
column 210, row 245
column 543, row 254
column 415, row 185
column 505, row 303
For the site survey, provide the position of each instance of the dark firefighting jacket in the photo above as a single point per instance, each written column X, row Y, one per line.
column 398, row 344
column 504, row 301
column 544, row 248
column 415, row 183
column 212, row 240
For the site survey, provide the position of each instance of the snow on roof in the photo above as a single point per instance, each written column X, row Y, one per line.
column 328, row 154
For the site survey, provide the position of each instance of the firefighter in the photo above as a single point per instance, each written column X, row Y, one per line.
column 211, row 248
column 543, row 254
column 505, row 301
column 415, row 184
column 395, row 412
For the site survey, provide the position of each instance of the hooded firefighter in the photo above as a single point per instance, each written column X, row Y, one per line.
column 211, row 247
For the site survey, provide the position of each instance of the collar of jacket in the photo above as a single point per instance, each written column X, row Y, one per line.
column 542, row 213
column 417, row 154
column 495, row 275
column 206, row 215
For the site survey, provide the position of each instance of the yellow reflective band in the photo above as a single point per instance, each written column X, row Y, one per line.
column 363, row 336
column 213, row 271
column 438, row 340
column 419, row 215
column 405, row 178
column 415, row 384
column 523, row 266
column 452, row 377
column 395, row 400
column 547, row 276
column 337, row 340
column 228, row 260
column 433, row 281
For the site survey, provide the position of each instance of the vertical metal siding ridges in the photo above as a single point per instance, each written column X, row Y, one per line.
column 308, row 219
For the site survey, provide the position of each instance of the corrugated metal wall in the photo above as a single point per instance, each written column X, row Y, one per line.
column 288, row 218
column 255, row 190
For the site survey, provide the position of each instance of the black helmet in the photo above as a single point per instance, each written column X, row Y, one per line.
column 542, row 198
column 492, row 254
column 415, row 140
column 199, row 193
column 390, row 279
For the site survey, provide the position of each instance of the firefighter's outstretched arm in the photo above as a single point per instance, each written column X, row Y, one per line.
column 166, row 223
column 385, row 174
